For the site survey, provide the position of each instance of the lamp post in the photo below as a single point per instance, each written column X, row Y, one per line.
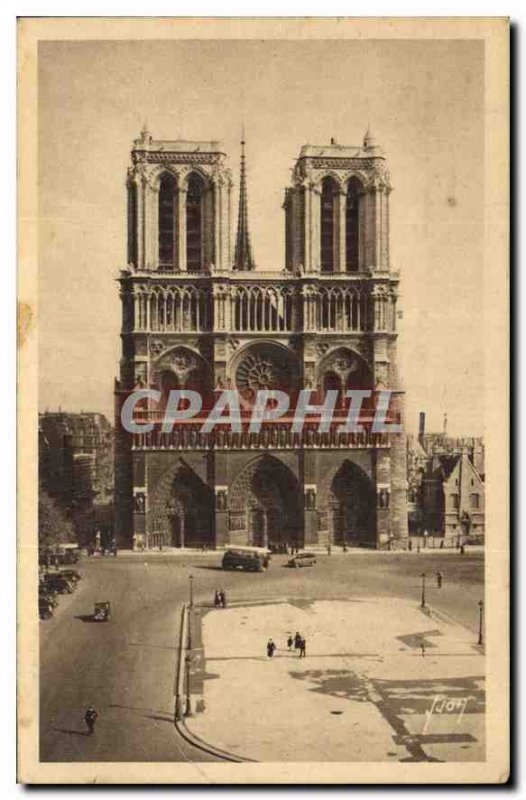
column 188, row 709
column 191, row 591
column 481, row 614
column 423, row 603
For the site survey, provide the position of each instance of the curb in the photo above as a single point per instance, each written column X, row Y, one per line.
column 179, row 719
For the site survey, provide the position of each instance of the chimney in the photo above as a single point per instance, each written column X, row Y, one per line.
column 421, row 427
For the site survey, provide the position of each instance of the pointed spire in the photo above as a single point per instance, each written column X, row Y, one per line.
column 243, row 256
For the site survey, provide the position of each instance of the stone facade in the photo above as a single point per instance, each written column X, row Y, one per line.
column 196, row 314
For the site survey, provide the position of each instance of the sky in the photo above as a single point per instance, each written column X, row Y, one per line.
column 424, row 102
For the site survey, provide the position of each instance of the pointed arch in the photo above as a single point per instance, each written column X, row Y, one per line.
column 195, row 196
column 352, row 224
column 349, row 503
column 328, row 223
column 265, row 504
column 167, row 225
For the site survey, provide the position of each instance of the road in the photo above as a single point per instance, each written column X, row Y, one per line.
column 126, row 668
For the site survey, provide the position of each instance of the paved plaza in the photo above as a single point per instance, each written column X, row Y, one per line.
column 383, row 680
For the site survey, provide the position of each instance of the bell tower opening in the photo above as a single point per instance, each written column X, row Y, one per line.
column 329, row 206
column 352, row 225
column 167, row 226
column 194, row 224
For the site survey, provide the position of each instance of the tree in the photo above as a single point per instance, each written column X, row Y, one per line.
column 53, row 525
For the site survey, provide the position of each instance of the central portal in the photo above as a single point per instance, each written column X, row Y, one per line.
column 268, row 494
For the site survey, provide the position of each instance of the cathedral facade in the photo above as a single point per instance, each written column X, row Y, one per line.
column 197, row 314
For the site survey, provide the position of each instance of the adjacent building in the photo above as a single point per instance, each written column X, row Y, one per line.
column 76, row 468
column 446, row 486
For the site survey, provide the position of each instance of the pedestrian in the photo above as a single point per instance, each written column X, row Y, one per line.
column 290, row 642
column 217, row 598
column 297, row 640
column 303, row 647
column 439, row 580
column 89, row 718
column 462, row 549
column 270, row 648
column 410, row 545
column 328, row 549
column 441, row 544
column 423, row 648
column 222, row 595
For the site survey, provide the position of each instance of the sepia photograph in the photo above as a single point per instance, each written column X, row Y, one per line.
column 263, row 400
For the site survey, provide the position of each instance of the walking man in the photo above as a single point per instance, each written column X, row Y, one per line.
column 303, row 647
column 290, row 642
column 439, row 580
column 222, row 595
column 270, row 648
column 89, row 718
column 297, row 640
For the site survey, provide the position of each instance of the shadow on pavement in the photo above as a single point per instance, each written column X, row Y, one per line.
column 73, row 733
column 164, row 716
column 86, row 618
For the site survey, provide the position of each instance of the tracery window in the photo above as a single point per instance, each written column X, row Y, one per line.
column 352, row 225
column 167, row 226
column 329, row 206
column 194, row 224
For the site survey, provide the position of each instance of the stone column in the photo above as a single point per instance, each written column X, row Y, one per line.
column 217, row 215
column 265, row 529
column 140, row 183
column 383, row 492
column 385, row 229
column 154, row 227
column 362, row 230
column 341, row 263
column 315, row 255
column 181, row 229
column 377, row 228
column 308, row 228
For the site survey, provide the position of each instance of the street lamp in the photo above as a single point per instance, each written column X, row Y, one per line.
column 191, row 591
column 481, row 613
column 188, row 709
column 423, row 603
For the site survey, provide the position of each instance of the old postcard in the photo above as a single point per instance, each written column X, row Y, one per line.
column 263, row 401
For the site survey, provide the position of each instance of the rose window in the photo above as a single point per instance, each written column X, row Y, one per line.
column 255, row 373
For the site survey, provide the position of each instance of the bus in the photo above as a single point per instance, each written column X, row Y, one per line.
column 252, row 559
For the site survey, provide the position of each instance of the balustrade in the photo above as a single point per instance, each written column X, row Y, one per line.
column 263, row 309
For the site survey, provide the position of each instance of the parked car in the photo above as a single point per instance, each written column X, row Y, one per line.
column 302, row 560
column 45, row 608
column 48, row 597
column 71, row 575
column 59, row 583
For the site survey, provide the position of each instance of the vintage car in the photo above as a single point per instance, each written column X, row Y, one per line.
column 45, row 607
column 102, row 611
column 252, row 559
column 71, row 575
column 58, row 583
column 302, row 560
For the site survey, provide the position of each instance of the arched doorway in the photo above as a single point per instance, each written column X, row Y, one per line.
column 351, row 508
column 182, row 511
column 265, row 505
